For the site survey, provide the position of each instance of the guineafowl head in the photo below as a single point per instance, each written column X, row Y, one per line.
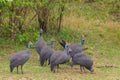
column 51, row 42
column 66, row 46
column 41, row 32
column 29, row 44
column 83, row 39
column 69, row 50
column 91, row 69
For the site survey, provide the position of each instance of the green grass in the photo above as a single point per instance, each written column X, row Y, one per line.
column 104, row 51
column 32, row 70
column 102, row 41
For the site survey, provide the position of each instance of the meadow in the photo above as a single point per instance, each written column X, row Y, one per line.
column 103, row 47
column 103, row 43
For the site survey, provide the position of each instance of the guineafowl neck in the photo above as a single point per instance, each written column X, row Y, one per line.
column 51, row 46
column 29, row 51
column 67, row 51
column 29, row 46
column 40, row 34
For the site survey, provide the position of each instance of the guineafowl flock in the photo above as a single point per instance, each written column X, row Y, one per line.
column 54, row 58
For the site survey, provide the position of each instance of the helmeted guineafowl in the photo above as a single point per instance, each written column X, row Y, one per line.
column 76, row 48
column 83, row 60
column 46, row 52
column 40, row 43
column 20, row 58
column 59, row 57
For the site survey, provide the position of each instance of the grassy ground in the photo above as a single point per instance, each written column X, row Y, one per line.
column 32, row 70
column 102, row 41
column 103, row 47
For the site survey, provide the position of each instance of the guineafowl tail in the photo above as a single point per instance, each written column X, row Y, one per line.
column 62, row 43
column 11, row 68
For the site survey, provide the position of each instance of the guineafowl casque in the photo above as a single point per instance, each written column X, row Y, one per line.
column 59, row 57
column 76, row 48
column 83, row 60
column 46, row 52
column 40, row 43
column 20, row 58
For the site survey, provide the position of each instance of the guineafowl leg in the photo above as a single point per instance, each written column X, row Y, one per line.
column 81, row 68
column 84, row 69
column 17, row 69
column 45, row 61
column 21, row 69
column 52, row 67
column 48, row 61
column 42, row 61
column 58, row 66
column 39, row 56
column 72, row 64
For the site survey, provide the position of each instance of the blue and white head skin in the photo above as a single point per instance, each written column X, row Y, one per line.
column 51, row 42
column 91, row 69
column 41, row 32
column 29, row 44
column 83, row 39
column 66, row 46
column 69, row 50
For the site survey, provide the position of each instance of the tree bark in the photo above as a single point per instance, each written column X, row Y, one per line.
column 43, row 19
column 60, row 19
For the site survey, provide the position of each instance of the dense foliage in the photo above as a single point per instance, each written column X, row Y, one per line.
column 21, row 19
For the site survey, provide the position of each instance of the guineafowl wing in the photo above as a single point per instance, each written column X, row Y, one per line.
column 40, row 44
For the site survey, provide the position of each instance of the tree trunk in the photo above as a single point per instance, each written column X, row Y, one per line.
column 60, row 19
column 43, row 19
